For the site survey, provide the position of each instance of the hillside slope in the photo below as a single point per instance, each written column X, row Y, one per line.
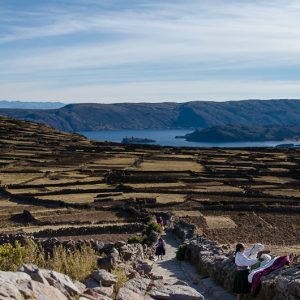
column 238, row 133
column 197, row 114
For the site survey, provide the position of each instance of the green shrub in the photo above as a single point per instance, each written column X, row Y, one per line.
column 182, row 252
column 11, row 257
column 152, row 226
column 138, row 239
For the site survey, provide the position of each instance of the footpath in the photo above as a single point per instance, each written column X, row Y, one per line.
column 171, row 268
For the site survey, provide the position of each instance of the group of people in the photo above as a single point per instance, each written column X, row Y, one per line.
column 252, row 264
column 160, row 246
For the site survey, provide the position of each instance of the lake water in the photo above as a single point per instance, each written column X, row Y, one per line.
column 167, row 138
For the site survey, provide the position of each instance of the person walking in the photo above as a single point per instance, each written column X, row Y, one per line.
column 160, row 248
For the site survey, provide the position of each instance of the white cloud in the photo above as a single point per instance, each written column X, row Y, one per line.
column 216, row 36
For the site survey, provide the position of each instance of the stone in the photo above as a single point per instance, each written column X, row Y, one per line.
column 294, row 287
column 138, row 285
column 93, row 295
column 91, row 283
column 107, row 263
column 61, row 282
column 34, row 272
column 81, row 287
column 143, row 267
column 126, row 294
column 20, row 286
column 127, row 255
column 104, row 277
column 118, row 245
column 104, row 290
column 175, row 292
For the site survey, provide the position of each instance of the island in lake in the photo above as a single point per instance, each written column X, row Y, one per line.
column 135, row 140
column 240, row 133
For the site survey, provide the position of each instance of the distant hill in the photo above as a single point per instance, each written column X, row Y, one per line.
column 239, row 133
column 30, row 105
column 190, row 115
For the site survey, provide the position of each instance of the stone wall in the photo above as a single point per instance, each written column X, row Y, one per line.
column 217, row 262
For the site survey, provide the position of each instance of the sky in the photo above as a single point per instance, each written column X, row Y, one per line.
column 149, row 51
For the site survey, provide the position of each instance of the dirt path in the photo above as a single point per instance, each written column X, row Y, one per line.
column 171, row 268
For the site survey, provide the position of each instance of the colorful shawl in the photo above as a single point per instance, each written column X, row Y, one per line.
column 275, row 264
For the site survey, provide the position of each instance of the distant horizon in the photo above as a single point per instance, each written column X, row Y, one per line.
column 141, row 101
column 168, row 50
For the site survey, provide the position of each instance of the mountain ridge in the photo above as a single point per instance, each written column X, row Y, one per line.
column 165, row 115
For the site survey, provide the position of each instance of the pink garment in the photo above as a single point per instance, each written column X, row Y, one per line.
column 278, row 263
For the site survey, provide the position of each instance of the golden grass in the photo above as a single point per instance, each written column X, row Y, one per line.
column 216, row 222
column 187, row 213
column 284, row 192
column 161, row 165
column 170, row 198
column 71, row 198
column 16, row 178
column 274, row 179
column 157, row 185
column 217, row 188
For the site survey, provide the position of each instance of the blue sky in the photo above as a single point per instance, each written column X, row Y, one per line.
column 137, row 50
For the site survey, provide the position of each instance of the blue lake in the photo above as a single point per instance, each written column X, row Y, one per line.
column 167, row 138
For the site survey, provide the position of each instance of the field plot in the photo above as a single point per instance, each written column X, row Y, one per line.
column 66, row 186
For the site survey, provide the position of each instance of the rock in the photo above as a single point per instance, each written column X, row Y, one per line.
column 20, row 286
column 44, row 292
column 81, row 287
column 138, row 285
column 175, row 292
column 107, row 263
column 104, row 277
column 118, row 245
column 127, row 255
column 34, row 272
column 294, row 287
column 126, row 294
column 91, row 283
column 143, row 267
column 61, row 282
column 93, row 295
column 104, row 290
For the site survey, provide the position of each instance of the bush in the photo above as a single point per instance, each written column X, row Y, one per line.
column 138, row 239
column 77, row 264
column 183, row 252
column 152, row 226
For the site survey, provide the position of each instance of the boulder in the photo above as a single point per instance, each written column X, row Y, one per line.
column 61, row 282
column 91, row 283
column 107, row 263
column 93, row 295
column 118, row 245
column 20, row 286
column 104, row 290
column 34, row 272
column 175, row 292
column 126, row 294
column 143, row 267
column 294, row 287
column 127, row 255
column 104, row 277
column 138, row 285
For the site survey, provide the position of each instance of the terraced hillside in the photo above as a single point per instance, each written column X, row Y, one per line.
column 63, row 185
